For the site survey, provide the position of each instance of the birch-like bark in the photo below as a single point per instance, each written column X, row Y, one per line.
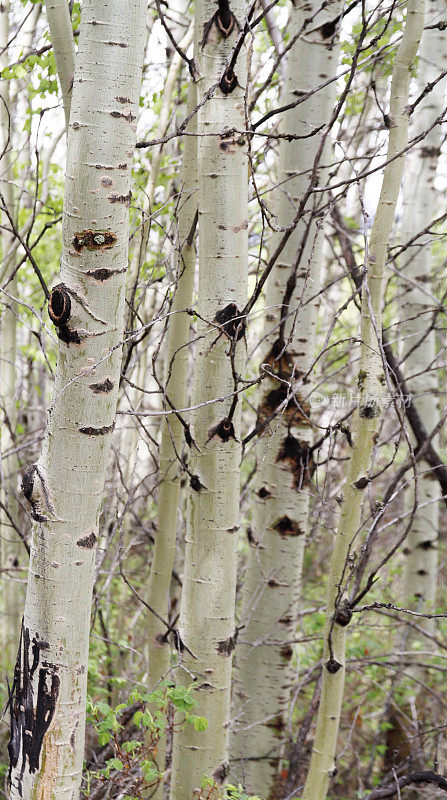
column 272, row 584
column 177, row 354
column 209, row 578
column 65, row 486
column 371, row 380
column 420, row 575
column 61, row 32
column 12, row 551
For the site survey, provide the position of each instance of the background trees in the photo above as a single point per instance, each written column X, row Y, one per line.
column 237, row 391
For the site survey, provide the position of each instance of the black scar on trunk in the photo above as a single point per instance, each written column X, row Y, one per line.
column 29, row 722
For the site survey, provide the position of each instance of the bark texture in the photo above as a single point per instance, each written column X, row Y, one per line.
column 272, row 584
column 64, row 488
column 370, row 381
column 209, row 581
column 421, row 551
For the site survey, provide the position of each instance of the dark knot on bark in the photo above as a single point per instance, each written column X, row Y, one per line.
column 59, row 305
column 228, row 82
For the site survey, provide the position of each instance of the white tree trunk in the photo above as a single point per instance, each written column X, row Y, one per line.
column 370, row 382
column 209, row 580
column 420, row 576
column 272, row 584
column 65, row 486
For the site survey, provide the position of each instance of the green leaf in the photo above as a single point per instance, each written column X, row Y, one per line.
column 150, row 772
column 104, row 708
column 130, row 747
column 200, row 723
column 137, row 718
column 148, row 719
column 116, row 764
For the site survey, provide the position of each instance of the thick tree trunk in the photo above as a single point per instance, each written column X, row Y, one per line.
column 65, row 486
column 209, row 580
column 370, row 382
column 272, row 584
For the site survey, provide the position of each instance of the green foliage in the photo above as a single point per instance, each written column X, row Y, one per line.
column 381, row 37
column 76, row 15
column 134, row 761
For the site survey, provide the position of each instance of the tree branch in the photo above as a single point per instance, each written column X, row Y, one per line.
column 413, row 778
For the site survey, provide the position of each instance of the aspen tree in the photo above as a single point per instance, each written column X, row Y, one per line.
column 64, row 488
column 11, row 549
column 272, row 584
column 61, row 32
column 371, row 380
column 209, row 578
column 420, row 361
column 420, row 576
column 158, row 595
column 144, row 376
column 140, row 243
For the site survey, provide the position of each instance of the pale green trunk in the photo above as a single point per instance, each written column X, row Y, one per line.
column 272, row 583
column 209, row 579
column 371, row 381
column 143, row 375
column 65, row 486
column 13, row 554
column 61, row 31
column 12, row 550
column 177, row 355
